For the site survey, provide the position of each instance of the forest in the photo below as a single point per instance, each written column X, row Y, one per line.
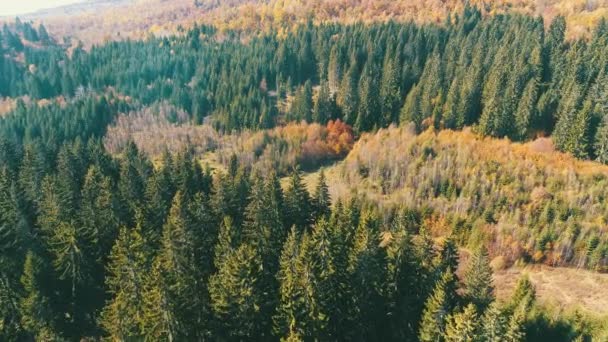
column 115, row 226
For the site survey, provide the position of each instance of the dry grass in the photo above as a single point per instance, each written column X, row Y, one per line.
column 459, row 174
column 562, row 288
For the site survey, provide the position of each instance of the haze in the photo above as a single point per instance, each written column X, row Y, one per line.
column 12, row 7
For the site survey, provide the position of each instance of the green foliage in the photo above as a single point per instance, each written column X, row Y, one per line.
column 462, row 326
column 437, row 308
column 478, row 282
column 236, row 294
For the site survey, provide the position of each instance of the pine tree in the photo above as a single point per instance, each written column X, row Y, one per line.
column 525, row 115
column 236, row 294
column 366, row 264
column 158, row 317
column 515, row 331
column 291, row 314
column 437, row 308
column 98, row 217
column 265, row 231
column 368, row 111
column 122, row 317
column 411, row 112
column 524, row 294
column 494, row 324
column 302, row 106
column 390, row 94
column 478, row 281
column 229, row 238
column 348, row 98
column 448, row 257
column 297, row 202
column 601, row 141
column 180, row 277
column 324, row 106
column 321, row 198
column 405, row 290
column 37, row 315
column 463, row 326
column 452, row 116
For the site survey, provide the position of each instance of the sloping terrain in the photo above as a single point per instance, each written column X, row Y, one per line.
column 524, row 200
column 100, row 20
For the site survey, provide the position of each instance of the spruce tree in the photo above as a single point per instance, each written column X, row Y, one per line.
column 478, row 282
column 37, row 315
column 321, row 198
column 324, row 106
column 236, row 294
column 302, row 106
column 524, row 294
column 368, row 111
column 493, row 324
column 123, row 315
column 463, row 326
column 437, row 308
column 291, row 315
column 297, row 203
column 348, row 97
column 158, row 316
column 600, row 144
column 180, row 276
column 390, row 94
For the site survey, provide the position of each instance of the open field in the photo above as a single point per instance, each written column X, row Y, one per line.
column 563, row 288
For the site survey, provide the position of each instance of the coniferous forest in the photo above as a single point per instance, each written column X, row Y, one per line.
column 122, row 245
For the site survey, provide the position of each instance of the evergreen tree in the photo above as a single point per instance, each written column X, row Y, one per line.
column 463, row 326
column 236, row 294
column 437, row 308
column 321, row 198
column 324, row 106
column 601, row 141
column 525, row 115
column 478, row 281
column 229, row 238
column 37, row 315
column 291, row 315
column 302, row 106
column 158, row 317
column 180, row 277
column 348, row 97
column 368, row 111
column 390, row 94
column 298, row 205
column 524, row 294
column 494, row 324
column 123, row 315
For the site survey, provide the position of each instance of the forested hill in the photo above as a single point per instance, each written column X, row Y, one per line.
column 106, row 235
column 99, row 20
column 504, row 75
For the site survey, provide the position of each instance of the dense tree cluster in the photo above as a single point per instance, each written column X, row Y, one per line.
column 503, row 74
column 101, row 246
column 120, row 246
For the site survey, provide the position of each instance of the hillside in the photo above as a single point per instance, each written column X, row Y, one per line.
column 525, row 201
column 296, row 171
column 102, row 20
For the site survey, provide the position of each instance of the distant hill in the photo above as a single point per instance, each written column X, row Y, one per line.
column 99, row 20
